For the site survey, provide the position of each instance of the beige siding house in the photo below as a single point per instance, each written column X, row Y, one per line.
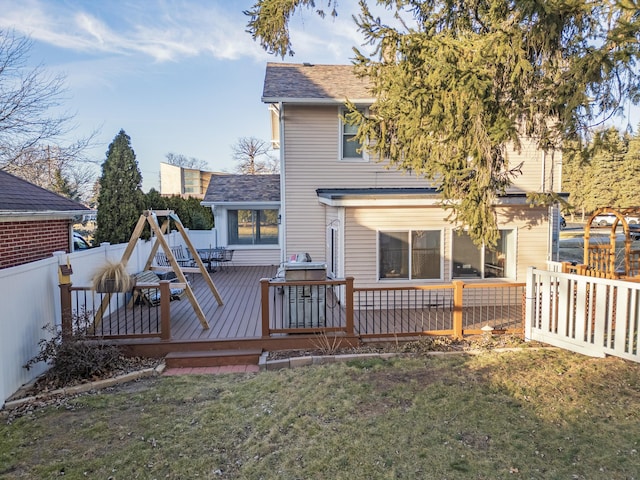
column 380, row 225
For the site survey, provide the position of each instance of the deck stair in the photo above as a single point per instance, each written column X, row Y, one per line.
column 212, row 358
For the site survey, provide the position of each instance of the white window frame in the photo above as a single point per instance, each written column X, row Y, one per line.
column 254, row 218
column 364, row 157
column 409, row 233
column 510, row 268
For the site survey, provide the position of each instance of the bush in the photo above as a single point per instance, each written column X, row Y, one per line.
column 78, row 357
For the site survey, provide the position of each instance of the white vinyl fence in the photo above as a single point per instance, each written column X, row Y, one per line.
column 31, row 300
column 592, row 316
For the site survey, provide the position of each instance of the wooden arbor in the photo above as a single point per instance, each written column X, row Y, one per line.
column 601, row 258
column 151, row 217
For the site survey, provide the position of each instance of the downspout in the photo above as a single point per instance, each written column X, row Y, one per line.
column 283, row 214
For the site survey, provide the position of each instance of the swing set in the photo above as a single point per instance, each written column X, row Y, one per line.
column 151, row 217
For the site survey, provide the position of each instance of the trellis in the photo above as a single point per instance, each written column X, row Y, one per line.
column 600, row 259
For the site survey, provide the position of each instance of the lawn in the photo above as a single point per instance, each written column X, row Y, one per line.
column 526, row 414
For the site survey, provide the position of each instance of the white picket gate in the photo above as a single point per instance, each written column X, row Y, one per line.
column 592, row 316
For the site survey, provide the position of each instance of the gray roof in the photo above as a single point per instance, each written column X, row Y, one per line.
column 243, row 188
column 306, row 82
column 19, row 196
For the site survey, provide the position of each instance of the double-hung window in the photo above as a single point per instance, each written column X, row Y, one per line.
column 471, row 261
column 415, row 254
column 252, row 227
column 350, row 147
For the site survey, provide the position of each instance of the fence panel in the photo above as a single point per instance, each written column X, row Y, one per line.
column 588, row 315
column 31, row 300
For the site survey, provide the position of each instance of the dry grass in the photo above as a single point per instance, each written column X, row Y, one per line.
column 530, row 414
column 112, row 277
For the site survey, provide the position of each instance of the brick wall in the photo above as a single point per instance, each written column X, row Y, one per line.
column 28, row 241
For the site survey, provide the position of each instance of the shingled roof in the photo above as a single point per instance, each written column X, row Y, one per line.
column 17, row 196
column 243, row 188
column 290, row 82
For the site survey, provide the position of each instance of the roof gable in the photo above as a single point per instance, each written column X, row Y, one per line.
column 19, row 196
column 243, row 188
column 300, row 82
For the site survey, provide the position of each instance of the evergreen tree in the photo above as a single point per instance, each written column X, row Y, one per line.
column 120, row 197
column 630, row 174
column 153, row 200
column 63, row 186
column 602, row 185
column 575, row 164
column 458, row 81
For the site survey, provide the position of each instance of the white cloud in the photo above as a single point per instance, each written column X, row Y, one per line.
column 164, row 31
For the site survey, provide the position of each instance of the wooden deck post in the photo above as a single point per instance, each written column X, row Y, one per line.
column 264, row 302
column 458, row 287
column 349, row 306
column 65, row 304
column 165, row 310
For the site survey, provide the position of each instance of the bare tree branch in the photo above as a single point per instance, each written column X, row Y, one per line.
column 253, row 157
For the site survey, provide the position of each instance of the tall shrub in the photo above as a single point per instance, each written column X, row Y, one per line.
column 120, row 198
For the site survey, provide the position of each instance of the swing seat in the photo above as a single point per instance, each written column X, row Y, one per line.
column 151, row 296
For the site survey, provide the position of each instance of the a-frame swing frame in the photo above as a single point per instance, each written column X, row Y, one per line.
column 151, row 217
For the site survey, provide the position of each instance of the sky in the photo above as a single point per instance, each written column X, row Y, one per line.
column 178, row 76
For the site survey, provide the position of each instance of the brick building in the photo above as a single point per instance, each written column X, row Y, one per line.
column 34, row 222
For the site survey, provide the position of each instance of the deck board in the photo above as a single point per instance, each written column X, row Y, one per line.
column 240, row 316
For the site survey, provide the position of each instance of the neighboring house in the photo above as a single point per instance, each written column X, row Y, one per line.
column 246, row 212
column 383, row 226
column 34, row 222
column 186, row 182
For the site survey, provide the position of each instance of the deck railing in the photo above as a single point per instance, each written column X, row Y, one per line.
column 455, row 309
column 323, row 306
column 116, row 315
column 306, row 306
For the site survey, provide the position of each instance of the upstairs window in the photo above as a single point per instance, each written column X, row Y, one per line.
column 471, row 261
column 253, row 227
column 350, row 148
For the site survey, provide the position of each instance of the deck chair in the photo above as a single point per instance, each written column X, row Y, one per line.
column 151, row 296
column 226, row 259
column 182, row 257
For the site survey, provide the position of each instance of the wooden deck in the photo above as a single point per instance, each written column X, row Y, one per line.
column 238, row 317
column 237, row 324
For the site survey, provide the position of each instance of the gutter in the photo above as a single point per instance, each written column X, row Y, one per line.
column 10, row 215
column 317, row 101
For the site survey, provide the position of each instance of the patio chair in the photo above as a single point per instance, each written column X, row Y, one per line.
column 182, row 257
column 151, row 296
column 226, row 259
column 179, row 254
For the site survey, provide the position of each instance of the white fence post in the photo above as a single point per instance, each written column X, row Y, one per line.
column 529, row 303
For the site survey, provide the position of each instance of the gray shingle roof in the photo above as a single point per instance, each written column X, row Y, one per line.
column 243, row 188
column 290, row 81
column 19, row 196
